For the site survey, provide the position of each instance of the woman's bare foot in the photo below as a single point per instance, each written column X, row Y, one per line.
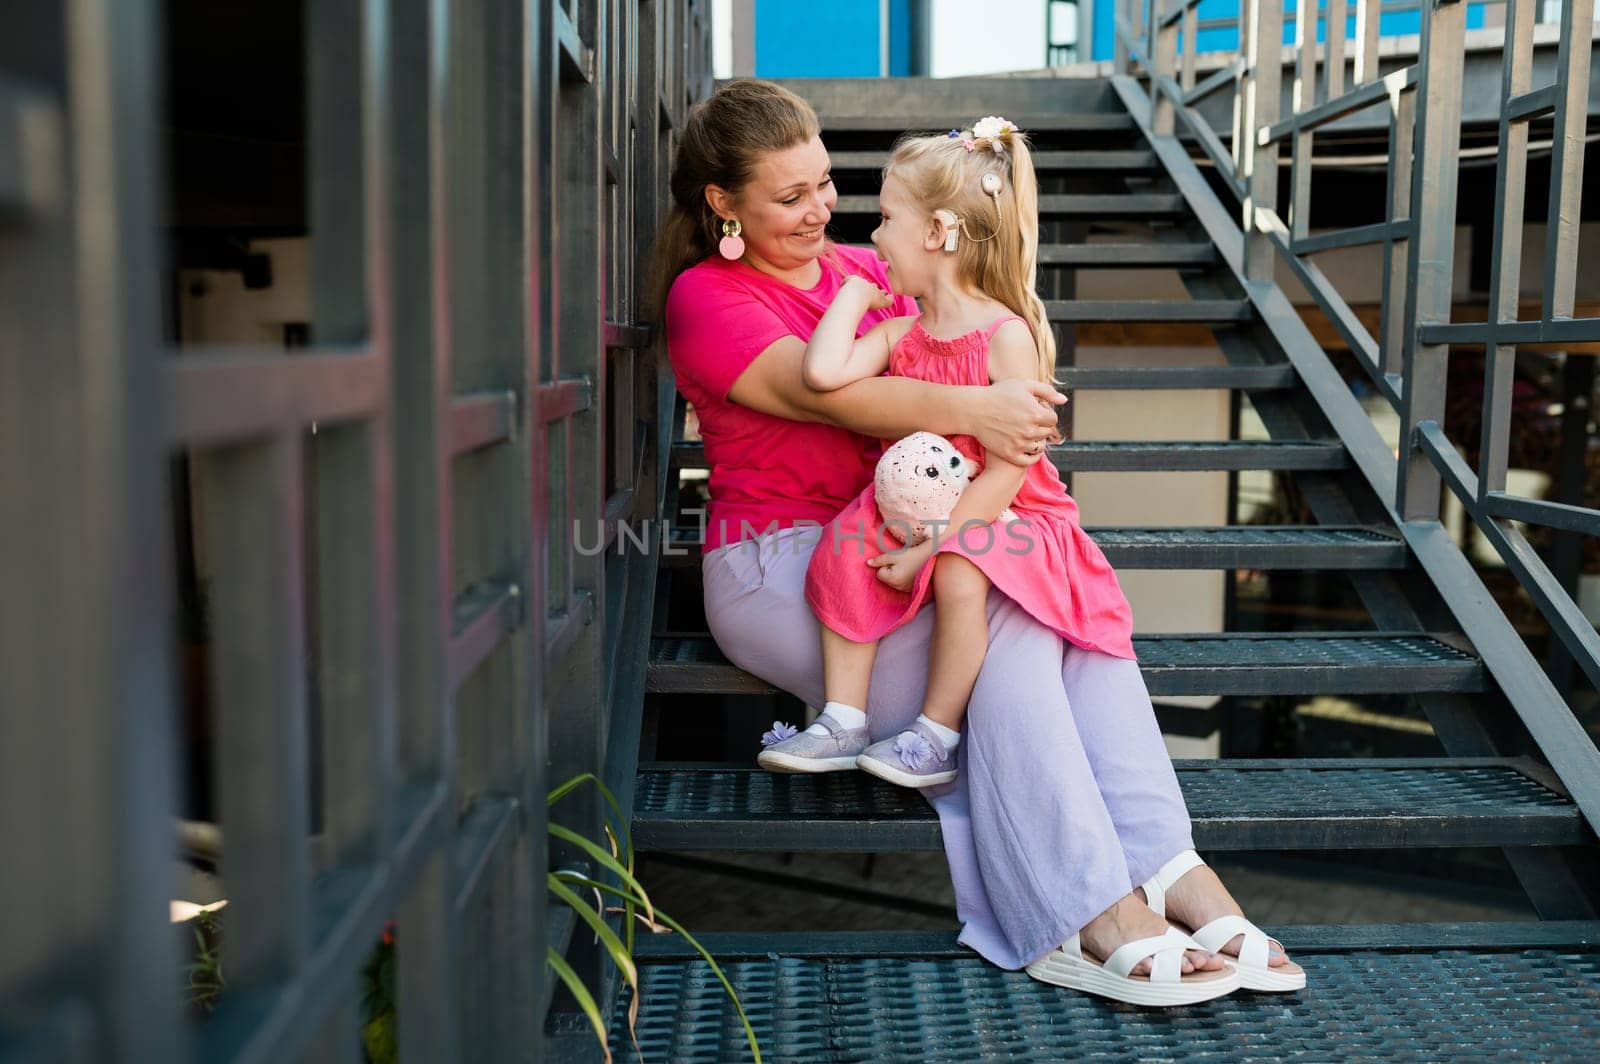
column 1130, row 919
column 1198, row 897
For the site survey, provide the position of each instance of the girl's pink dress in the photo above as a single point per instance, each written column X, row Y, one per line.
column 1045, row 561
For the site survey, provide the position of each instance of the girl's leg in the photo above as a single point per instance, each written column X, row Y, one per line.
column 923, row 755
column 756, row 609
column 846, row 669
column 960, row 638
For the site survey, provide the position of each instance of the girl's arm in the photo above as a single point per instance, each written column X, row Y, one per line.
column 834, row 356
column 1009, row 418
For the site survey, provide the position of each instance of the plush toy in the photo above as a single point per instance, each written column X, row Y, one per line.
column 919, row 479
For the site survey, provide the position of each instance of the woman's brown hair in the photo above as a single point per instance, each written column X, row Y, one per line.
column 725, row 136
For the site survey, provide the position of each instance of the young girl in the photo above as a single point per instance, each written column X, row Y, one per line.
column 959, row 232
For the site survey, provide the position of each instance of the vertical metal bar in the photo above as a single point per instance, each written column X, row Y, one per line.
column 1368, row 14
column 85, row 773
column 1431, row 259
column 351, row 658
column 1334, row 30
column 350, row 470
column 1304, row 95
column 1166, row 61
column 1511, row 171
column 1122, row 12
column 253, row 520
column 1396, row 251
column 577, row 736
column 114, row 89
column 1241, row 145
column 1566, row 561
column 1264, row 63
column 1566, row 158
column 1303, row 98
column 536, row 127
column 1191, row 29
column 411, row 284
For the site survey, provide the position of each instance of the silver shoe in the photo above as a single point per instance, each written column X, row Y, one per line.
column 913, row 758
column 833, row 752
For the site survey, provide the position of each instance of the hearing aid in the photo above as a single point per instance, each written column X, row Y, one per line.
column 952, row 227
column 990, row 183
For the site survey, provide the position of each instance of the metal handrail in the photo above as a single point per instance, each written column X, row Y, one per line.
column 1407, row 360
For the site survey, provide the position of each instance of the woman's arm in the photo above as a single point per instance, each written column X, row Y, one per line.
column 1010, row 419
column 834, row 356
column 1012, row 356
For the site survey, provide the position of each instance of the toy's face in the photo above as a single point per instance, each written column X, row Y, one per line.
column 919, row 479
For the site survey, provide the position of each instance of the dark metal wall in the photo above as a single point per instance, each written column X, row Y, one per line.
column 397, row 606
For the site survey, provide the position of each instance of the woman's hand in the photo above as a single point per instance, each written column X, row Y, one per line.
column 899, row 568
column 1016, row 418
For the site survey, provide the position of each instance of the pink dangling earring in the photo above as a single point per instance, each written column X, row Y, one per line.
column 732, row 245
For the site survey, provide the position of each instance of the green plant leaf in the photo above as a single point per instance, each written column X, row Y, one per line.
column 606, row 860
column 580, row 994
column 716, row 969
column 577, row 781
column 619, row 956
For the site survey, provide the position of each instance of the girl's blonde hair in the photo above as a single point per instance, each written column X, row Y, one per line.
column 997, row 251
column 723, row 139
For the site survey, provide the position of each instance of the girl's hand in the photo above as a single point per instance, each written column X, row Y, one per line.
column 871, row 296
column 899, row 569
column 1016, row 418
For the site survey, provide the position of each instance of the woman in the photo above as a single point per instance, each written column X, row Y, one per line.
column 1067, row 801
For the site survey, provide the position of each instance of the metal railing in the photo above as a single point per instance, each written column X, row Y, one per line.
column 1407, row 359
column 407, row 645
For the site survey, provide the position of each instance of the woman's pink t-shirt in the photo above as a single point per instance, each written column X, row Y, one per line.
column 766, row 471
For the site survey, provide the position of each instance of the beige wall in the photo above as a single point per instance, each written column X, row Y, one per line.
column 216, row 308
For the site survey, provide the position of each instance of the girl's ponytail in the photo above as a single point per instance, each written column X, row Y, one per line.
column 1025, row 185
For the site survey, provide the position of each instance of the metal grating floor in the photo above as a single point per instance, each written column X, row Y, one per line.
column 1244, row 535
column 1320, row 663
column 1234, row 804
column 1541, row 1004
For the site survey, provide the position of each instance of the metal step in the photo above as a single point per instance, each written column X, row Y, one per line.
column 1123, row 205
column 1070, row 122
column 1136, row 161
column 1152, row 456
column 1274, row 377
column 1317, row 547
column 1161, row 311
column 1434, row 994
column 1127, row 256
column 1170, row 456
column 1308, row 804
column 1254, row 663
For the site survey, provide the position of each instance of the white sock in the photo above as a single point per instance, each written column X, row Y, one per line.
column 843, row 715
column 949, row 736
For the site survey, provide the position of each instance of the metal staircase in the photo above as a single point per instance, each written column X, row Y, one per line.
column 1413, row 990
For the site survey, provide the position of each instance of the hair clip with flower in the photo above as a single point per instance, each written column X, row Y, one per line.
column 993, row 127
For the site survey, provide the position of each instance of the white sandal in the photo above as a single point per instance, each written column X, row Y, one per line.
column 1166, row 984
column 1255, row 973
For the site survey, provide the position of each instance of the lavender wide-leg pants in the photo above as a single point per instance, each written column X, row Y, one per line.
column 1066, row 798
